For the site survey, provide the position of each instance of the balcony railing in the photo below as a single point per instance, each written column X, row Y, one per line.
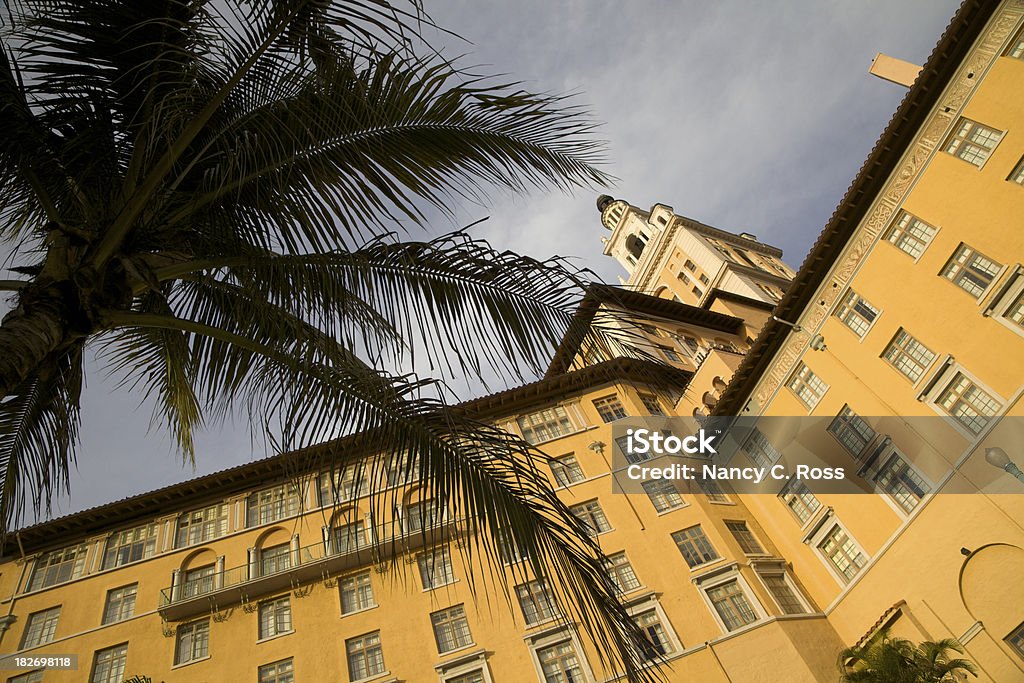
column 313, row 562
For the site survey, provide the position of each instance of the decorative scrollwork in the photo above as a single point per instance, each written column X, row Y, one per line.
column 166, row 629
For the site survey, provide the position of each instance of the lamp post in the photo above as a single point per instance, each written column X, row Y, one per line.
column 997, row 457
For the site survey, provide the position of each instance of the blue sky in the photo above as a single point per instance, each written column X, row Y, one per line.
column 748, row 116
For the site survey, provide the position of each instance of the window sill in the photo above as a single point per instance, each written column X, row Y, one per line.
column 440, row 585
column 376, row 677
column 359, row 611
column 460, row 649
column 673, row 509
column 282, row 634
column 189, row 662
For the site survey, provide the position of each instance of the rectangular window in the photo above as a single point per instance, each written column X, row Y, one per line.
column 856, row 313
column 1015, row 311
column 1017, row 175
column 910, row 234
column 356, row 593
column 436, row 568
column 663, row 494
column 694, row 546
column 30, row 677
column 842, row 552
column 968, row 403
column 970, row 270
column 560, row 664
column 697, row 292
column 902, row 482
column 972, row 142
column 783, row 593
column 1016, row 49
column 200, row 526
column 536, row 602
column 761, row 452
column 670, row 354
column 275, row 559
column 711, row 489
column 610, row 408
column 620, row 571
column 546, row 424
column 451, row 629
column 198, row 581
column 690, row 266
column 58, row 566
column 275, row 617
column 799, row 499
column 270, row 505
column 852, row 432
column 424, row 514
column 508, row 549
column 108, row 665
column 193, row 642
column 632, row 456
column 745, row 537
column 807, row 386
column 472, row 677
column 591, row 514
column 732, row 605
column 130, row 545
column 652, row 404
column 349, row 538
column 120, row 604
column 365, row 656
column 908, row 355
column 40, row 628
column 567, row 470
column 658, row 642
column 1016, row 640
column 704, row 279
column 278, row 672
column 344, row 484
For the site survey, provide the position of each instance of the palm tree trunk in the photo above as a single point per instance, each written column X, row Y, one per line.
column 28, row 335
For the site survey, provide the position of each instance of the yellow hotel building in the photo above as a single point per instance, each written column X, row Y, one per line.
column 910, row 304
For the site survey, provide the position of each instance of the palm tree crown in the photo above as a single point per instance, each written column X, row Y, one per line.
column 894, row 660
column 204, row 193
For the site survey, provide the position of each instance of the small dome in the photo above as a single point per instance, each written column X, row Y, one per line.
column 603, row 201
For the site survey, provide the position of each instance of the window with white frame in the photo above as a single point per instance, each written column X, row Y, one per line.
column 1017, row 175
column 972, row 142
column 610, row 408
column 345, row 484
column 192, row 641
column 356, row 593
column 761, row 452
column 275, row 617
column 470, row 677
column 1015, row 639
column 694, row 546
column 560, row 663
column 271, row 505
column 658, row 642
column 567, row 470
column 910, row 234
column 856, row 313
column 663, row 494
column 591, row 514
column 120, row 604
column 632, row 456
column 908, row 355
column 902, row 482
column 401, row 468
column 1013, row 311
column 966, row 402
column 425, row 514
column 108, row 665
column 58, row 566
column 711, row 489
column 348, row 538
column 731, row 603
column 807, row 386
column 200, row 526
column 652, row 404
column 435, row 568
column 970, row 270
column 1016, row 49
column 745, row 537
column 621, row 573
column 842, row 552
column 670, row 354
column 40, row 628
column 546, row 424
column 198, row 581
column 536, row 602
column 782, row 592
column 798, row 498
column 451, row 629
column 508, row 549
column 275, row 559
column 277, row 672
column 852, row 431
column 30, row 677
column 365, row 656
column 130, row 545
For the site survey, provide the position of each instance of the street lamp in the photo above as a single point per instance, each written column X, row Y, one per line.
column 997, row 457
